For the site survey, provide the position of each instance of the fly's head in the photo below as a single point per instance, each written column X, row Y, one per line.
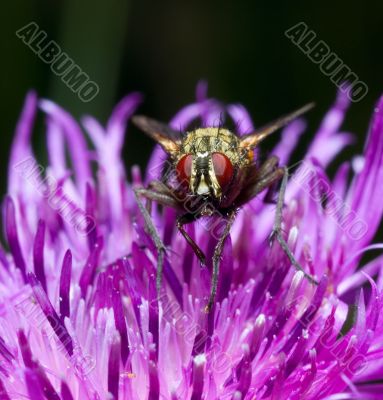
column 208, row 162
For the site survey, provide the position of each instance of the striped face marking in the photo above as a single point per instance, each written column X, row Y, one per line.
column 204, row 181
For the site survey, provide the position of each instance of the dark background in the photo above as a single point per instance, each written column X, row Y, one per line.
column 162, row 48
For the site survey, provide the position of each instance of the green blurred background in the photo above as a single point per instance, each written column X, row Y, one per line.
column 162, row 48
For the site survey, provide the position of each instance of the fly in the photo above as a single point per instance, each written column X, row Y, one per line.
column 216, row 173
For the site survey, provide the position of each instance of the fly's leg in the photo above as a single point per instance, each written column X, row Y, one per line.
column 216, row 260
column 268, row 175
column 253, row 188
column 277, row 229
column 151, row 229
column 181, row 221
column 270, row 165
column 258, row 172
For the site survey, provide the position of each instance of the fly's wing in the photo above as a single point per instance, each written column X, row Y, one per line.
column 169, row 139
column 252, row 139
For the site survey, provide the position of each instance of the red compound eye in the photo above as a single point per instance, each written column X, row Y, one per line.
column 184, row 168
column 223, row 169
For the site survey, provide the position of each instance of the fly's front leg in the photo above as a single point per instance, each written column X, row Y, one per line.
column 277, row 229
column 165, row 200
column 181, row 221
column 217, row 259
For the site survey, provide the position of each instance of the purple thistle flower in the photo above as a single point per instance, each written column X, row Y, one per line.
column 79, row 312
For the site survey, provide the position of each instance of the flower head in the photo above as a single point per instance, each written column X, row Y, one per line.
column 80, row 318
